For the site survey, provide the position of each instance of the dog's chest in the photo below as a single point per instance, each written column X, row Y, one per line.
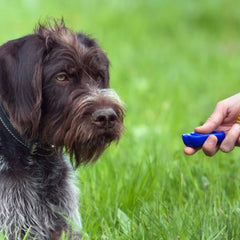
column 33, row 179
column 34, row 191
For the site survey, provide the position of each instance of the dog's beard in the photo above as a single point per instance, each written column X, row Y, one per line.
column 74, row 130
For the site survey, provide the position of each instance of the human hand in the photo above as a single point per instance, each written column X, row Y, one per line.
column 223, row 118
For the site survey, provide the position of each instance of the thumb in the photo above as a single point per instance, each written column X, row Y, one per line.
column 214, row 121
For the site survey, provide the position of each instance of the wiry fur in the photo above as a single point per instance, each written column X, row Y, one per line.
column 37, row 193
column 26, row 205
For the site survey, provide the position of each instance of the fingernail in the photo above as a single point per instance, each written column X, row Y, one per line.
column 211, row 140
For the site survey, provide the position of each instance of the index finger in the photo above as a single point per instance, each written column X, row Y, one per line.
column 190, row 151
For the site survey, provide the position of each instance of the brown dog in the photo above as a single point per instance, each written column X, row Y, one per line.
column 55, row 96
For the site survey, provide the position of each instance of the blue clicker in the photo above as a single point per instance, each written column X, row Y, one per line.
column 197, row 139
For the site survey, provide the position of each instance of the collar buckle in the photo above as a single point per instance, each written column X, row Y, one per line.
column 34, row 149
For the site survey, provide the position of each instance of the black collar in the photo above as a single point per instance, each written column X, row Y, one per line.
column 34, row 148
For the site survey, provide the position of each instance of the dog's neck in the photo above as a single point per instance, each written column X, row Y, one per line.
column 34, row 148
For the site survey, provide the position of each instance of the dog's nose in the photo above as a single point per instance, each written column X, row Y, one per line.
column 105, row 118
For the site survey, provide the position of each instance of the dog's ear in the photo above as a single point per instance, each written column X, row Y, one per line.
column 21, row 82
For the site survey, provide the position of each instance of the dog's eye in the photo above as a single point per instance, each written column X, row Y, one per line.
column 100, row 77
column 61, row 77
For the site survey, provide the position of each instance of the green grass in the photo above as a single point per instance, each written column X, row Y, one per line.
column 171, row 62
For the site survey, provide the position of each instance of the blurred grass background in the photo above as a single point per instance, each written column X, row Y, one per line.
column 172, row 61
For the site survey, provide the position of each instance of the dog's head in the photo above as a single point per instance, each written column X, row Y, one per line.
column 54, row 84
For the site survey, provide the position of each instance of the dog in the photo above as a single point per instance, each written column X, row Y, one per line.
column 55, row 102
